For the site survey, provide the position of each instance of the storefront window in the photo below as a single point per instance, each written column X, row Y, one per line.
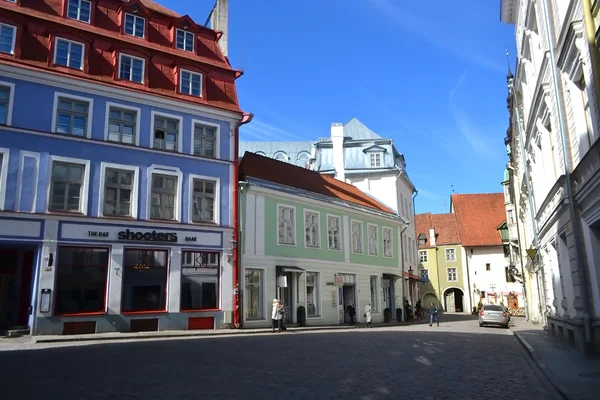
column 253, row 298
column 81, row 275
column 373, row 287
column 312, row 294
column 199, row 280
column 144, row 280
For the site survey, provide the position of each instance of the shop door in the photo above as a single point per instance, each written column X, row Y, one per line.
column 348, row 294
column 9, row 299
column 287, row 296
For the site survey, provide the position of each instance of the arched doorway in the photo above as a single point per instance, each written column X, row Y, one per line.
column 429, row 298
column 453, row 300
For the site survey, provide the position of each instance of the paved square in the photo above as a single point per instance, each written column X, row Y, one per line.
column 459, row 360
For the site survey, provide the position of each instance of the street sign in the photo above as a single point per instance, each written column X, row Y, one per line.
column 532, row 253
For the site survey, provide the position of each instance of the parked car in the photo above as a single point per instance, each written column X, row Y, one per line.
column 492, row 314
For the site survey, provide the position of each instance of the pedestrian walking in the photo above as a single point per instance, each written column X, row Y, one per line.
column 351, row 312
column 419, row 310
column 368, row 316
column 433, row 315
column 274, row 311
column 280, row 316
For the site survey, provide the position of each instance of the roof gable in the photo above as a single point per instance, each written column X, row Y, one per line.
column 374, row 149
column 478, row 217
column 358, row 131
column 445, row 226
column 268, row 169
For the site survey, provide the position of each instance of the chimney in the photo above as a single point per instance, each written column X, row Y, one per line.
column 219, row 22
column 337, row 138
column 432, row 237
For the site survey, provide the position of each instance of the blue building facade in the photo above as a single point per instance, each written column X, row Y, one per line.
column 116, row 207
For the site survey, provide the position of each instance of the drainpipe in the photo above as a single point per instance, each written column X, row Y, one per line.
column 237, row 321
column 402, row 261
column 541, row 297
column 471, row 291
column 590, row 30
column 575, row 221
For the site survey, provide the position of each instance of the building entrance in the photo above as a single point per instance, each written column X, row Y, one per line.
column 16, row 286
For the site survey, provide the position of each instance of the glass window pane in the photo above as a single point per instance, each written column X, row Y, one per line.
column 144, row 280
column 81, row 275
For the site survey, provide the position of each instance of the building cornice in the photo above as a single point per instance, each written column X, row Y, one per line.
column 52, row 78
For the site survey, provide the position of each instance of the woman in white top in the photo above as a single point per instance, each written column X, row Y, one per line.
column 274, row 313
column 368, row 316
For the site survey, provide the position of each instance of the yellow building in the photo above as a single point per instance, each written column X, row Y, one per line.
column 440, row 262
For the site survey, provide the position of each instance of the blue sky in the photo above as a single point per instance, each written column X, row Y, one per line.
column 430, row 75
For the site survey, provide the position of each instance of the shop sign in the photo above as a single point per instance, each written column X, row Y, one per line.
column 97, row 234
column 147, row 236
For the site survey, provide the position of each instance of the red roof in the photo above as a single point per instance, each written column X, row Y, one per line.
column 478, row 216
column 269, row 169
column 446, row 229
column 151, row 5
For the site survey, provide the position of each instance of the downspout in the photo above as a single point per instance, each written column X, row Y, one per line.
column 590, row 30
column 469, row 281
column 522, row 266
column 237, row 321
column 402, row 260
column 577, row 229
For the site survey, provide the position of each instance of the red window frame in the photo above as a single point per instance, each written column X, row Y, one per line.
column 166, row 281
column 218, row 275
column 105, row 297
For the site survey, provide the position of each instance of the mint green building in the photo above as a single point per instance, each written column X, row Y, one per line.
column 314, row 241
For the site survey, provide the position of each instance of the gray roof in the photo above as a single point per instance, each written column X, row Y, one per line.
column 291, row 149
column 358, row 131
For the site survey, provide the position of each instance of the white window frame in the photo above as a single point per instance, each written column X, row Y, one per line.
column 217, row 206
column 85, row 186
column 362, row 236
column 455, row 274
column 294, row 224
column 3, row 174
column 163, row 170
column 376, row 156
column 191, row 74
column 89, row 100
column 423, row 256
column 70, row 42
column 185, row 33
column 153, row 115
column 318, row 300
column 14, row 37
column 217, row 136
column 306, row 245
column 263, row 293
column 369, row 226
column 135, row 188
column 374, row 307
column 11, row 101
column 138, row 121
column 131, row 71
column 391, row 242
column 448, row 252
column 135, row 17
column 339, row 218
column 79, row 11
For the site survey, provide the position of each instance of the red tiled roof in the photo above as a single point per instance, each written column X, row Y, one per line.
column 478, row 216
column 152, row 5
column 446, row 229
column 271, row 170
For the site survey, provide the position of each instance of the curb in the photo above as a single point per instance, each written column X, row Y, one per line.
column 554, row 381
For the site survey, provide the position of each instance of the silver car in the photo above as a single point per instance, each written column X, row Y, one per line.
column 492, row 314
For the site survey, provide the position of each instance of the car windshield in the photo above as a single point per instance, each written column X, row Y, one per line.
column 493, row 307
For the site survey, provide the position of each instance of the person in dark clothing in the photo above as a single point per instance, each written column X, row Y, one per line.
column 351, row 313
column 419, row 311
column 408, row 311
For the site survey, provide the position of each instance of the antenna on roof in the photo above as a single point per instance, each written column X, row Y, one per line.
column 452, row 186
column 210, row 14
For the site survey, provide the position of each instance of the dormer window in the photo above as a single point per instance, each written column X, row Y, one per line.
column 80, row 10
column 68, row 53
column 131, row 68
column 184, row 40
column 134, row 25
column 375, row 159
column 190, row 83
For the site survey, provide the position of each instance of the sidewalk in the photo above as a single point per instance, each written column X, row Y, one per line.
column 203, row 333
column 574, row 375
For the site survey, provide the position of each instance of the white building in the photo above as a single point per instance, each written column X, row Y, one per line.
column 554, row 164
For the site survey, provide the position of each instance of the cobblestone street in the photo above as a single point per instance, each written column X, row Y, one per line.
column 458, row 360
